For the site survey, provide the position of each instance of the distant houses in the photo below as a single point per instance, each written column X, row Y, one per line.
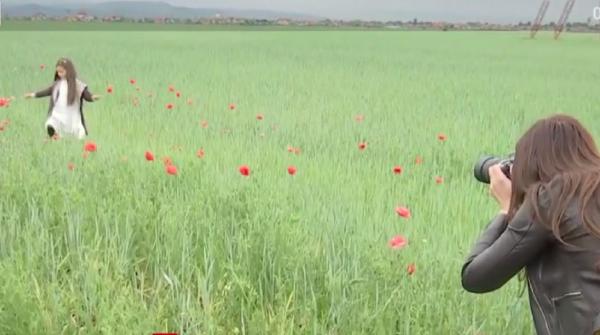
column 220, row 19
column 80, row 17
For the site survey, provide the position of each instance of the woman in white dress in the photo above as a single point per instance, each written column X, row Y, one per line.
column 67, row 92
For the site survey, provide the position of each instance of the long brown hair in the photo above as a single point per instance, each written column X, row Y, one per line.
column 557, row 150
column 71, row 78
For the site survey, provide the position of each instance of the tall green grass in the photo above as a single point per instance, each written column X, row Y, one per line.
column 118, row 246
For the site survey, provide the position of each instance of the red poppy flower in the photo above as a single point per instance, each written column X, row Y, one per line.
column 232, row 106
column 170, row 106
column 411, row 268
column 178, row 94
column 245, row 170
column 149, row 156
column 403, row 212
column 439, row 180
column 4, row 102
column 171, row 88
column 291, row 170
column 109, row 89
column 171, row 169
column 362, row 145
column 260, row 117
column 132, row 81
column 397, row 169
column 90, row 147
column 2, row 126
column 442, row 137
column 398, row 242
column 290, row 148
column 200, row 153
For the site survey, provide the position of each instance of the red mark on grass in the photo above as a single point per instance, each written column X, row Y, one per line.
column 411, row 268
column 292, row 170
column 244, row 170
column 403, row 212
column 398, row 242
column 4, row 102
column 90, row 147
column 171, row 169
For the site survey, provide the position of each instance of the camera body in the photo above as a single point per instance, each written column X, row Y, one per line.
column 481, row 168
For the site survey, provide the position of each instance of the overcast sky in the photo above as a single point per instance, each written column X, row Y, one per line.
column 449, row 10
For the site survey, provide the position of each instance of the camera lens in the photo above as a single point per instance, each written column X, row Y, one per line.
column 481, row 169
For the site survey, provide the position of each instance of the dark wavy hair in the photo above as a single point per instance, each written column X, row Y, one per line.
column 557, row 150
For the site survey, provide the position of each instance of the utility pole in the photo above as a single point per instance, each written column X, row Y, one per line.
column 560, row 26
column 539, row 18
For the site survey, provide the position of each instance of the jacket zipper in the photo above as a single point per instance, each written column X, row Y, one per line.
column 539, row 306
column 571, row 294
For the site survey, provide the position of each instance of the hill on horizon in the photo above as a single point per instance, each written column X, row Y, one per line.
column 147, row 9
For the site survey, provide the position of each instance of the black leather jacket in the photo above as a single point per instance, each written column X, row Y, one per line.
column 563, row 280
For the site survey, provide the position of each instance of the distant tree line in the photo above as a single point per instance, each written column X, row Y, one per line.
column 414, row 24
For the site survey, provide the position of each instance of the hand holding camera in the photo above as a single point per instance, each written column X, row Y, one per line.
column 496, row 172
column 500, row 187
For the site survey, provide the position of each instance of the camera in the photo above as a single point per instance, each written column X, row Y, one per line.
column 481, row 169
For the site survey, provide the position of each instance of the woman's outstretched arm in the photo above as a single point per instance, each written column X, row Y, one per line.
column 40, row 94
column 88, row 96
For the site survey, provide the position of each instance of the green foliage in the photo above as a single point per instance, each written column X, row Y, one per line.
column 118, row 246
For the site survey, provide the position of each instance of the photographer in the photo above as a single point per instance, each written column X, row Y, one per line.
column 548, row 225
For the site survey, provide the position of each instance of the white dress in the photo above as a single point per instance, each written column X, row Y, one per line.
column 65, row 119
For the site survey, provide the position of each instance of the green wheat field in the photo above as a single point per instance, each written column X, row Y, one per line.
column 108, row 242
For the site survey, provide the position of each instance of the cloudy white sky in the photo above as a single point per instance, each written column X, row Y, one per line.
column 450, row 10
